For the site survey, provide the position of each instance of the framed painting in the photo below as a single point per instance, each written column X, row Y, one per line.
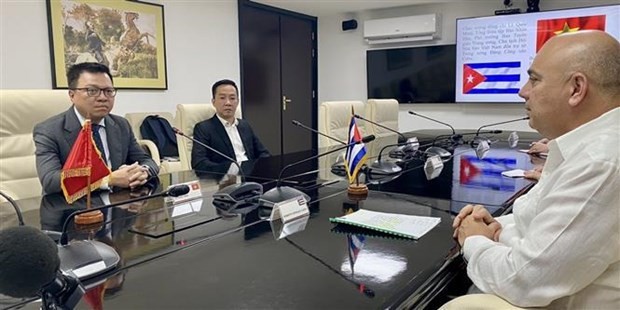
column 127, row 36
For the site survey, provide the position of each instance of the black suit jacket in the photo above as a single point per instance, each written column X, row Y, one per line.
column 212, row 133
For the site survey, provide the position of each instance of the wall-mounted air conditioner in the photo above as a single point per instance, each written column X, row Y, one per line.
column 402, row 29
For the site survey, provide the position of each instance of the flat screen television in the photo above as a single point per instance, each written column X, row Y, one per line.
column 412, row 75
column 493, row 53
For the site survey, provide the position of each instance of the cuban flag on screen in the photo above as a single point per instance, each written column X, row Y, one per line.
column 355, row 244
column 486, row 173
column 492, row 78
column 356, row 154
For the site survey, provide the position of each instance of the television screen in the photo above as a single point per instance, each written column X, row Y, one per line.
column 493, row 53
column 412, row 75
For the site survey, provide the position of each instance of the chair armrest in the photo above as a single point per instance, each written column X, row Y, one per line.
column 150, row 147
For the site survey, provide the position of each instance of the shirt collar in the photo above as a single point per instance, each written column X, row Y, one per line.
column 227, row 123
column 82, row 119
column 569, row 143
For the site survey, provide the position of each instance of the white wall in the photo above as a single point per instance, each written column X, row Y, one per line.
column 202, row 46
column 342, row 62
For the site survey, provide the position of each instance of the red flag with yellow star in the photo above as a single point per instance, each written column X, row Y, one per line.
column 83, row 166
column 548, row 28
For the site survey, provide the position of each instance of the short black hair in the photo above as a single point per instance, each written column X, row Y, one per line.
column 73, row 74
column 223, row 82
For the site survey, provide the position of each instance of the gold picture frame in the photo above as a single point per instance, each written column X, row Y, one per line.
column 127, row 36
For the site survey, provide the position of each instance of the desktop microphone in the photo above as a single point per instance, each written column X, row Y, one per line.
column 174, row 191
column 297, row 123
column 88, row 258
column 500, row 123
column 434, row 120
column 385, row 171
column 483, row 145
column 30, row 267
column 234, row 194
column 283, row 193
column 493, row 132
column 401, row 137
column 8, row 198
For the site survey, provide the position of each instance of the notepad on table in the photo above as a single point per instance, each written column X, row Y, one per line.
column 410, row 226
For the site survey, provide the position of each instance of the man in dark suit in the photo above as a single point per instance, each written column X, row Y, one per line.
column 225, row 133
column 92, row 93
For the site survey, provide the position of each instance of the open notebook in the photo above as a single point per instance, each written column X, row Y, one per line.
column 410, row 226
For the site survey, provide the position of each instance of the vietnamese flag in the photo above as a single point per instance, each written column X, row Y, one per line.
column 83, row 165
column 548, row 28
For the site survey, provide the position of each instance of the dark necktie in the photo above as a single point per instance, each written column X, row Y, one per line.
column 99, row 142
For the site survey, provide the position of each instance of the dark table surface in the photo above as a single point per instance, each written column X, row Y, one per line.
column 209, row 258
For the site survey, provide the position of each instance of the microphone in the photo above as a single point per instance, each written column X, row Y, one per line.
column 234, row 194
column 500, row 123
column 434, row 120
column 88, row 258
column 482, row 145
column 401, row 137
column 385, row 171
column 20, row 218
column 283, row 193
column 297, row 123
column 493, row 132
column 30, row 267
column 174, row 191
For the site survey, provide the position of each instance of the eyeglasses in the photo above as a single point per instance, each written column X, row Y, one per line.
column 95, row 92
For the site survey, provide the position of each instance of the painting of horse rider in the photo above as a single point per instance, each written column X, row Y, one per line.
column 125, row 36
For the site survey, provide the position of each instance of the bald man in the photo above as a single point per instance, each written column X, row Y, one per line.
column 561, row 246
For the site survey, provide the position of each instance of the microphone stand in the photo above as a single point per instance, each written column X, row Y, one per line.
column 174, row 191
column 297, row 123
column 282, row 193
column 180, row 133
column 401, row 137
column 500, row 123
column 434, row 120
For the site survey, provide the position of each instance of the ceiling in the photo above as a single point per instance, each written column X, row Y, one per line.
column 330, row 7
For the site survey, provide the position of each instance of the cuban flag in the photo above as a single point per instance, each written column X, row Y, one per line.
column 492, row 78
column 356, row 154
column 355, row 244
column 486, row 173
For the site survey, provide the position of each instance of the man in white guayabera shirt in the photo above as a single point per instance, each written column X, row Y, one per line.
column 561, row 246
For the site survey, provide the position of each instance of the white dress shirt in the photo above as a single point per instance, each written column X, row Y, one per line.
column 235, row 138
column 561, row 246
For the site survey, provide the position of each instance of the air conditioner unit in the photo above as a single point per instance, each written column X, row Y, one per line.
column 402, row 29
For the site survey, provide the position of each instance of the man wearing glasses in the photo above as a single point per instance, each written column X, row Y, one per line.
column 92, row 92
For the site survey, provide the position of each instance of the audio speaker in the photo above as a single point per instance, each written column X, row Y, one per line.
column 349, row 25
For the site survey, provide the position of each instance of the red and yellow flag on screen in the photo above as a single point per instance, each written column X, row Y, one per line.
column 84, row 161
column 548, row 28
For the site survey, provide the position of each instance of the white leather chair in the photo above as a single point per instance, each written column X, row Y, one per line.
column 135, row 120
column 334, row 120
column 384, row 112
column 21, row 110
column 187, row 116
column 479, row 302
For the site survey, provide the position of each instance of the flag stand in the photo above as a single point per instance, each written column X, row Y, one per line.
column 92, row 217
column 357, row 189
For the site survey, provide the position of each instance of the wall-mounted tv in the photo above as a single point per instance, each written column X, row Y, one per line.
column 493, row 53
column 412, row 75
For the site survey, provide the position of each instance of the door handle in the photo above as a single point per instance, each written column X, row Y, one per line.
column 284, row 102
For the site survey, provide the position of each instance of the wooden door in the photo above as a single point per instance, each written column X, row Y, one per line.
column 278, row 75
